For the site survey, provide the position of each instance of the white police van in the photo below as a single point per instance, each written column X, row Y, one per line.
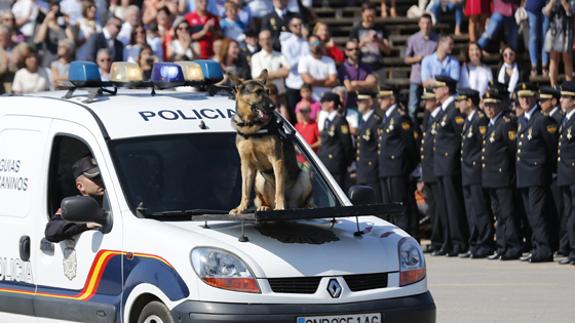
column 168, row 251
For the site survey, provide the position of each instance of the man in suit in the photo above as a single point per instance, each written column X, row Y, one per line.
column 431, row 187
column 336, row 150
column 447, row 167
column 536, row 153
column 549, row 103
column 398, row 157
column 106, row 39
column 277, row 21
column 478, row 216
column 566, row 165
column 367, row 167
column 498, row 173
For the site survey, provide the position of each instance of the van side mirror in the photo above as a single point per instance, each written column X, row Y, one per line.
column 86, row 209
column 361, row 195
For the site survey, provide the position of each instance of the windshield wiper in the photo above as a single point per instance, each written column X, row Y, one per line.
column 183, row 214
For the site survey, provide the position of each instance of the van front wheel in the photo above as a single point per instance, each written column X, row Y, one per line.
column 155, row 312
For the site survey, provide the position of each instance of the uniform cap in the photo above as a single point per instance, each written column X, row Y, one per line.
column 386, row 90
column 549, row 92
column 364, row 95
column 568, row 88
column 443, row 80
column 467, row 93
column 526, row 89
column 428, row 94
column 86, row 166
column 492, row 95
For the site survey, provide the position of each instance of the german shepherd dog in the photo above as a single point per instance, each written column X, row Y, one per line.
column 266, row 152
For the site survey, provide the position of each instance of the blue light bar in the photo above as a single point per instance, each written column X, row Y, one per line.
column 211, row 70
column 84, row 74
column 167, row 75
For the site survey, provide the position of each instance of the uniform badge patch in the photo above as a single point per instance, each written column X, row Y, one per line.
column 482, row 130
column 415, row 135
column 344, row 129
column 551, row 128
column 405, row 125
column 367, row 135
column 512, row 135
column 459, row 120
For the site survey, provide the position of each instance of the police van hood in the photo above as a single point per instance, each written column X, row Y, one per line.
column 306, row 248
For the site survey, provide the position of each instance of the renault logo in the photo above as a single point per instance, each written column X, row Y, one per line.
column 334, row 288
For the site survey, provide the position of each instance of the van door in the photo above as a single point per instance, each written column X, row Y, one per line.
column 22, row 151
column 79, row 279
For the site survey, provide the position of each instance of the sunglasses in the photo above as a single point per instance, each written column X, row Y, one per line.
column 352, row 49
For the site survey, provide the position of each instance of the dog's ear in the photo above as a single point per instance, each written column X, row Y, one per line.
column 263, row 77
column 234, row 79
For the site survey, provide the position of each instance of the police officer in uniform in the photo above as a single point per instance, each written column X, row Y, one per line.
column 566, row 165
column 367, row 167
column 536, row 153
column 447, row 167
column 549, row 103
column 336, row 150
column 398, row 157
column 479, row 217
column 431, row 188
column 498, row 173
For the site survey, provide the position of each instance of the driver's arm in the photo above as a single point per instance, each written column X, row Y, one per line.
column 59, row 229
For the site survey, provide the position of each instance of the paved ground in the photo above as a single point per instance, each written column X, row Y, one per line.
column 477, row 290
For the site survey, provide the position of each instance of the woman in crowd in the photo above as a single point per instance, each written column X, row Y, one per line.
column 232, row 62
column 146, row 60
column 477, row 11
column 321, row 30
column 475, row 74
column 164, row 22
column 137, row 42
column 49, row 34
column 508, row 72
column 559, row 37
column 59, row 68
column 180, row 49
column 32, row 77
column 87, row 26
column 7, row 19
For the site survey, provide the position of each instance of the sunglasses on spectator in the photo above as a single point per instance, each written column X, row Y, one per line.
column 351, row 49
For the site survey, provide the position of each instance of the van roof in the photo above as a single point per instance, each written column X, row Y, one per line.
column 137, row 113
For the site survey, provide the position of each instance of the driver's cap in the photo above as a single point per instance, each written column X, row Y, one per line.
column 86, row 166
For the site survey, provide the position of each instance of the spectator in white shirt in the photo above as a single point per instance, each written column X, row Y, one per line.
column 318, row 69
column 131, row 21
column 508, row 73
column 474, row 74
column 73, row 9
column 276, row 64
column 294, row 47
column 25, row 12
column 31, row 78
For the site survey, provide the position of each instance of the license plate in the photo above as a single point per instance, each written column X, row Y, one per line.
column 356, row 318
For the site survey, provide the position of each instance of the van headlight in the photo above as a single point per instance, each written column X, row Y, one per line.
column 411, row 262
column 222, row 269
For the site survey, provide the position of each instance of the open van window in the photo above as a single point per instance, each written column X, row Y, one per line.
column 192, row 171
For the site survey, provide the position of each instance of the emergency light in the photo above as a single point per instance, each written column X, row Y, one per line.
column 84, row 74
column 128, row 74
column 167, row 75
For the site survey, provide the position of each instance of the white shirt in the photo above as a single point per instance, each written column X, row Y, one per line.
column 352, row 118
column 323, row 116
column 555, row 109
column 73, row 8
column 319, row 69
column 293, row 48
column 513, row 80
column 26, row 82
column 470, row 116
column 476, row 78
column 530, row 113
column 447, row 102
column 568, row 115
column 389, row 110
column 125, row 33
column 86, row 29
column 260, row 8
column 272, row 62
column 492, row 121
column 131, row 53
column 435, row 112
column 366, row 115
column 29, row 9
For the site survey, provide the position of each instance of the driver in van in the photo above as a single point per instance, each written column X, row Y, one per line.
column 88, row 183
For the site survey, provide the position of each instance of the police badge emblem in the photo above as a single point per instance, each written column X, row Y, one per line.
column 70, row 262
column 482, row 130
column 367, row 135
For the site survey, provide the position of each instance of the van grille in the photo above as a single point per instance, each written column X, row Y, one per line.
column 366, row 282
column 302, row 285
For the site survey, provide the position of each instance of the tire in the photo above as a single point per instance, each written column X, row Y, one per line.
column 155, row 312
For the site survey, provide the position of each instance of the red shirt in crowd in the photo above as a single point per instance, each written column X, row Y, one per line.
column 335, row 53
column 309, row 131
column 197, row 23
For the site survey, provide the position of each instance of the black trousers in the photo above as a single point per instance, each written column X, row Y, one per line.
column 524, row 230
column 534, row 201
column 456, row 225
column 396, row 190
column 479, row 219
column 560, row 223
column 568, row 194
column 433, row 195
column 506, row 231
column 292, row 98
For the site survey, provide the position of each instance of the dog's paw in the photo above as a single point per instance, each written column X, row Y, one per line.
column 263, row 208
column 237, row 211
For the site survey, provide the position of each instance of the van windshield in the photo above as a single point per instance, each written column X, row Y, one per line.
column 192, row 171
